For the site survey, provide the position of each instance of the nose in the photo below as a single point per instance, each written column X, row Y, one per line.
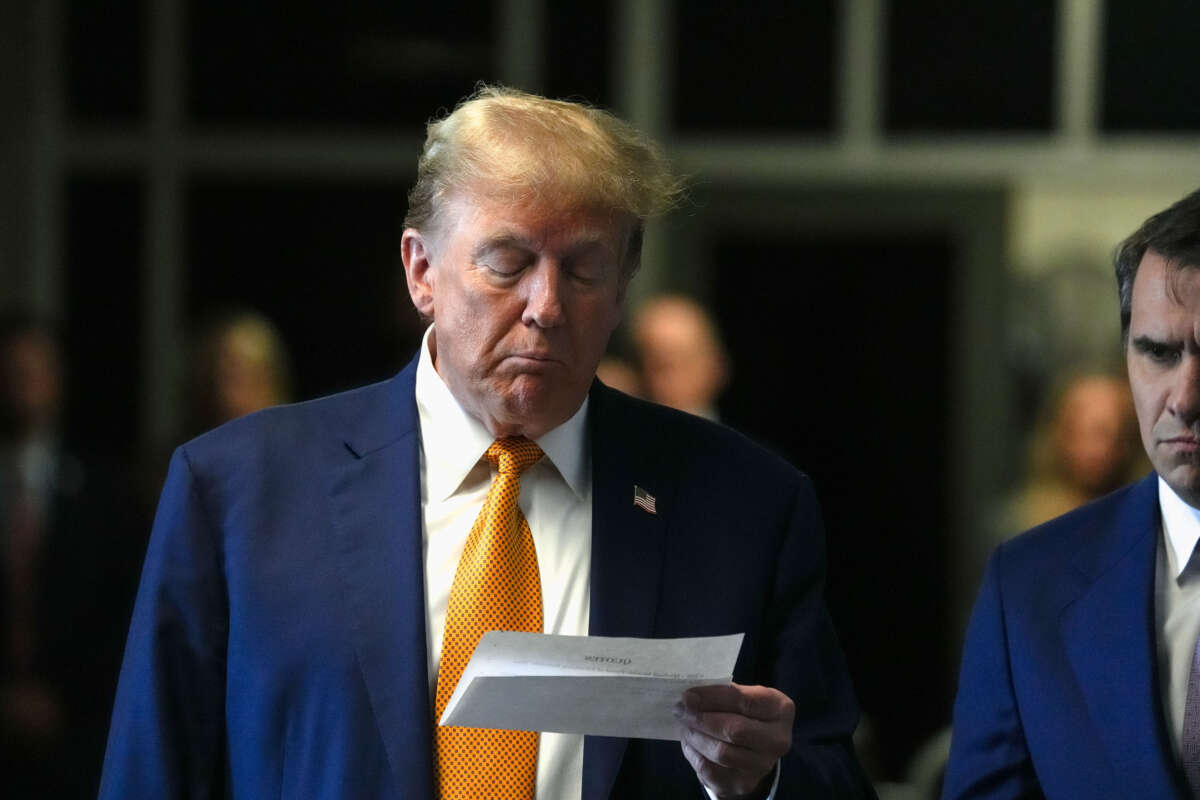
column 1184, row 400
column 544, row 302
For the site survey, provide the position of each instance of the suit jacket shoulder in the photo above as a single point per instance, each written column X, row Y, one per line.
column 285, row 450
column 1047, row 567
column 1059, row 692
column 363, row 419
column 698, row 451
column 281, row 612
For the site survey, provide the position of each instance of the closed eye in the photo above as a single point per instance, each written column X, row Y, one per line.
column 587, row 271
column 590, row 263
column 505, row 261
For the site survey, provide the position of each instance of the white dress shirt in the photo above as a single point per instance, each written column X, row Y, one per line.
column 1177, row 604
column 556, row 498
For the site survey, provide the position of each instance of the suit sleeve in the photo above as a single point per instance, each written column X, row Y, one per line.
column 809, row 667
column 167, row 734
column 988, row 754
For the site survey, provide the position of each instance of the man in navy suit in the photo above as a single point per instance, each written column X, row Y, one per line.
column 1081, row 676
column 289, row 623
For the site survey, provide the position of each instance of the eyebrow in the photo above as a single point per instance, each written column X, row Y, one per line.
column 509, row 240
column 1145, row 343
column 503, row 241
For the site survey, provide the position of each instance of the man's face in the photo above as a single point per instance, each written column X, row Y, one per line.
column 523, row 298
column 1163, row 356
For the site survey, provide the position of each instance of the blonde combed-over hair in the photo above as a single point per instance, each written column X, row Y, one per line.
column 519, row 147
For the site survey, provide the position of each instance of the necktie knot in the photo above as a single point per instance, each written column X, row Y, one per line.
column 513, row 455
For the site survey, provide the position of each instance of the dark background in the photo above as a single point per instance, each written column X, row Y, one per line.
column 842, row 343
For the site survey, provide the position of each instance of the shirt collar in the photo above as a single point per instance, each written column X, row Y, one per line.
column 454, row 441
column 1181, row 524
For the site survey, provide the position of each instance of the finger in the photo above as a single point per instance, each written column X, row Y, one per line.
column 756, row 702
column 771, row 738
column 708, row 709
column 721, row 780
column 730, row 756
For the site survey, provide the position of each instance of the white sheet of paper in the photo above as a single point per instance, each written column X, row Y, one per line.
column 596, row 685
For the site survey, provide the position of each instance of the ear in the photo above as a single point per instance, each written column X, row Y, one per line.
column 418, row 270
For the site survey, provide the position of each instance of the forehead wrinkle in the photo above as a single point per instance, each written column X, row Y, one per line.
column 1181, row 289
column 1184, row 290
column 1182, row 282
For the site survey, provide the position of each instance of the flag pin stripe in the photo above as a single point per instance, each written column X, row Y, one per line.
column 644, row 500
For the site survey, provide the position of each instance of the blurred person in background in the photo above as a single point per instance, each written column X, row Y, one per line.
column 71, row 553
column 1086, row 446
column 239, row 365
column 619, row 374
column 684, row 365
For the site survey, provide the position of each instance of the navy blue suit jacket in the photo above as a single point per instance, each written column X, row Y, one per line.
column 278, row 645
column 1060, row 695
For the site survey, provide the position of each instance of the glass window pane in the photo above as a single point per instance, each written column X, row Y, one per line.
column 579, row 50
column 370, row 63
column 970, row 67
column 1150, row 79
column 763, row 67
column 106, row 61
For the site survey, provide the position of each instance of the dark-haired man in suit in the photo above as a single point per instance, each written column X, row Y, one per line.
column 1081, row 674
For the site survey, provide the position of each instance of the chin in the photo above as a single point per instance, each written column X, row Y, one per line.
column 534, row 412
column 1185, row 482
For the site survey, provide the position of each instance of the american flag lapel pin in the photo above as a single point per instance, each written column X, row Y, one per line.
column 644, row 500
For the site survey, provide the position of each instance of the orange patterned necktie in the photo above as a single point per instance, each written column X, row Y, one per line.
column 496, row 587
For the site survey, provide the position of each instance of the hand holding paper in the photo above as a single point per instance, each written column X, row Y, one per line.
column 734, row 735
column 586, row 684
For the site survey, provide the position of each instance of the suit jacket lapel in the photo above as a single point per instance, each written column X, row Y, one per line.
column 1110, row 637
column 627, row 551
column 377, row 519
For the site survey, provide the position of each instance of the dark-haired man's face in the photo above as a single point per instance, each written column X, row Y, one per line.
column 1163, row 357
column 523, row 298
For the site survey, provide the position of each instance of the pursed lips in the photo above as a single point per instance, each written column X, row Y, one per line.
column 1186, row 442
column 538, row 356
